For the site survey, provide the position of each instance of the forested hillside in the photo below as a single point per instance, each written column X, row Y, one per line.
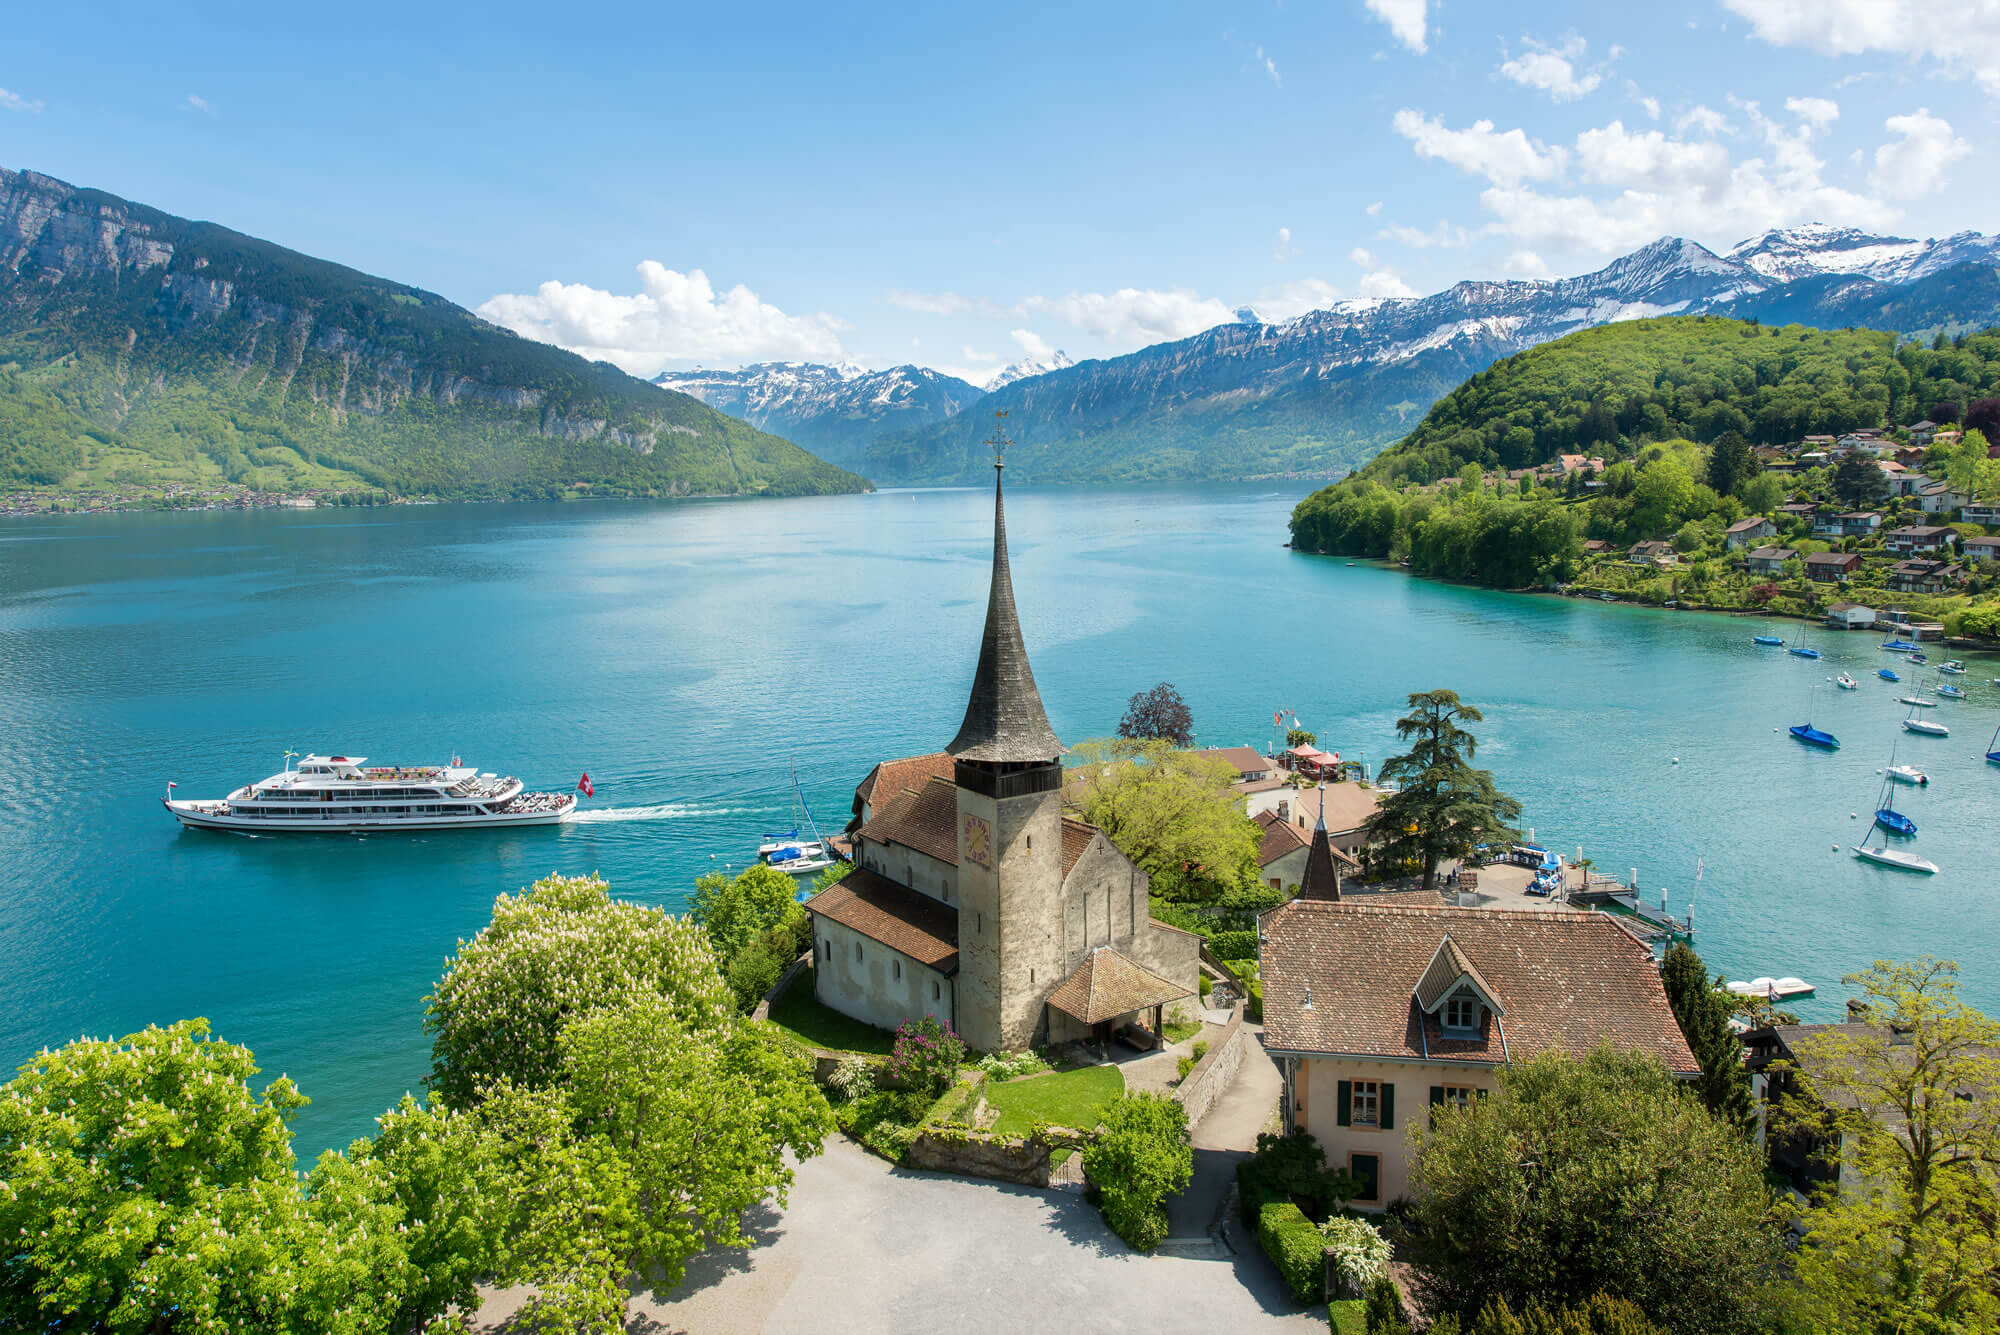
column 1610, row 389
column 137, row 348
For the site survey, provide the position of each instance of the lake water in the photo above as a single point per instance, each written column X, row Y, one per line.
column 686, row 654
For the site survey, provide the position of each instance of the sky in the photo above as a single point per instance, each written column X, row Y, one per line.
column 668, row 186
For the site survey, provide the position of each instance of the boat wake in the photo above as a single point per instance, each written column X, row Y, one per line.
column 664, row 811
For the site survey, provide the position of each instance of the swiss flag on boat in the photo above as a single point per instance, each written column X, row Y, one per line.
column 584, row 784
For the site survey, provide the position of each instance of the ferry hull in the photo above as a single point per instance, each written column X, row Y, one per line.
column 204, row 816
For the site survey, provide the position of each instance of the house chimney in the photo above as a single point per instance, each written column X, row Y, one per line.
column 1857, row 1011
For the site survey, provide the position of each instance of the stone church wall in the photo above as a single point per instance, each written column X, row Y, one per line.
column 905, row 866
column 877, row 985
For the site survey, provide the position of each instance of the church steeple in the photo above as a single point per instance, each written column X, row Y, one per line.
column 1322, row 878
column 1004, row 720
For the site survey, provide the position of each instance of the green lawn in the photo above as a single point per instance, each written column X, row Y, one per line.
column 801, row 1015
column 1347, row 1316
column 1068, row 1098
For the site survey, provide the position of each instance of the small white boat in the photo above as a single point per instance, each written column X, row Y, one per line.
column 1891, row 857
column 1949, row 691
column 1908, row 774
column 1777, row 989
column 1926, row 727
column 1918, row 701
column 1846, row 683
column 1953, row 666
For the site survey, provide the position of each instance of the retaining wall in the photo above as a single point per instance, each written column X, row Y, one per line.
column 1212, row 1074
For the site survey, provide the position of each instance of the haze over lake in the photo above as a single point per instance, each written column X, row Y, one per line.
column 687, row 654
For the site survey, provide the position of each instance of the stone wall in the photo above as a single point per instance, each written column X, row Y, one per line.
column 782, row 986
column 982, row 1154
column 1213, row 1073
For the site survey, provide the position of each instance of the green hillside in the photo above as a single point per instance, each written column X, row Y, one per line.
column 1607, row 390
column 139, row 349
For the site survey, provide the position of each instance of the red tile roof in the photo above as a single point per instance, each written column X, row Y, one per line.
column 1076, row 837
column 1243, row 759
column 925, row 820
column 1107, row 985
column 893, row 776
column 1282, row 837
column 1570, row 981
column 911, row 924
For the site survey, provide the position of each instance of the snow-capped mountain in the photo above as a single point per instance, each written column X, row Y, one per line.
column 831, row 410
column 1326, row 390
column 1799, row 252
column 1021, row 370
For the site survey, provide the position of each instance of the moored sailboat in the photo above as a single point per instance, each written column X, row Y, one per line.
column 1886, row 856
column 1886, row 815
column 1810, row 735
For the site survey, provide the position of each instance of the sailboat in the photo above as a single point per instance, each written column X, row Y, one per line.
column 1767, row 637
column 1886, row 856
column 788, row 851
column 1898, row 646
column 1887, row 674
column 1810, row 735
column 1798, row 647
column 1924, row 726
column 1886, row 815
column 1846, row 683
column 1993, row 749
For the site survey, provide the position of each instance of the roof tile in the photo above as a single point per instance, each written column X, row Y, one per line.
column 911, row 924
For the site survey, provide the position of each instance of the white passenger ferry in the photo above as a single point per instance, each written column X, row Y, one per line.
column 341, row 793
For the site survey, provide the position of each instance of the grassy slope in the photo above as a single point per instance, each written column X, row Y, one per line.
column 1067, row 1098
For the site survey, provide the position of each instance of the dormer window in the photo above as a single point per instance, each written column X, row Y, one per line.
column 1461, row 1014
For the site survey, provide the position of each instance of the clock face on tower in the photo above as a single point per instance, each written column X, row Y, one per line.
column 978, row 841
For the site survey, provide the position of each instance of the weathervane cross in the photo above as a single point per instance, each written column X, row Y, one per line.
column 999, row 440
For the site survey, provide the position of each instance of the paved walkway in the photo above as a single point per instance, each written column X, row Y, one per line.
column 1223, row 1139
column 870, row 1248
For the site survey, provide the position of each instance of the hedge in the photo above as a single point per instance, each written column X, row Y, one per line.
column 1234, row 945
column 1294, row 1245
column 1253, row 1010
column 1251, row 1194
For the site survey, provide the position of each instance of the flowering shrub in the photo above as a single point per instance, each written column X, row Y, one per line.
column 852, row 1078
column 1360, row 1253
column 1011, row 1066
column 926, row 1056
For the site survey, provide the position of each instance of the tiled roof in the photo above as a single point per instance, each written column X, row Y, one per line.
column 911, row 924
column 1773, row 554
column 1570, row 982
column 1347, row 806
column 1745, row 525
column 1833, row 559
column 1247, row 786
column 1076, row 837
column 1281, row 837
column 893, row 776
column 1443, row 973
column 926, row 820
column 1107, row 985
column 1244, row 759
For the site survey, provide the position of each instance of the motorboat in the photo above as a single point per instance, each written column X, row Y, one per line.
column 1953, row 667
column 1909, row 774
column 1920, row 657
column 1846, row 683
column 1773, row 989
column 1887, row 674
column 345, row 794
column 1949, row 691
column 1897, row 858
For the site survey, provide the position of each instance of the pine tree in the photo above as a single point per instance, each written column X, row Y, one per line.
column 1704, row 1021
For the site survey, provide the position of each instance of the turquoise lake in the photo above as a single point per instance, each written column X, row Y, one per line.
column 686, row 654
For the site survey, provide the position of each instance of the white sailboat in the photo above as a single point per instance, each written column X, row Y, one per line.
column 790, row 852
column 1885, row 856
column 1924, row 726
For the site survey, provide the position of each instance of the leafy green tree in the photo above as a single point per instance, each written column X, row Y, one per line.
column 1858, row 480
column 548, row 956
column 1171, row 811
column 1730, row 463
column 1158, row 715
column 1592, row 1174
column 1445, row 808
column 1699, row 1006
column 1143, row 1154
column 1300, row 737
column 737, row 911
column 1761, row 493
column 1663, row 498
column 1905, row 1241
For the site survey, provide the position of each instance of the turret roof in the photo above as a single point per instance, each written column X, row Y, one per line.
column 1004, row 719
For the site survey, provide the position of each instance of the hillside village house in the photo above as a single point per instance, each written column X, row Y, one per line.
column 1920, row 433
column 1655, row 553
column 1920, row 538
column 975, row 899
column 1981, row 513
column 1847, row 524
column 1920, row 576
column 1376, row 1013
column 1985, row 550
column 1746, row 531
column 1906, row 483
column 1250, row 767
column 1832, row 567
column 1939, row 499
column 1768, row 560
column 1850, row 616
column 1344, row 808
column 1804, row 510
column 1284, row 850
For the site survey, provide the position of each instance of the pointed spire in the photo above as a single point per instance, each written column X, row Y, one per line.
column 1322, row 879
column 1004, row 719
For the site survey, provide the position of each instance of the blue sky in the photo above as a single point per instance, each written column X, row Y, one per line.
column 670, row 186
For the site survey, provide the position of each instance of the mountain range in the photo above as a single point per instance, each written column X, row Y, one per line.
column 1319, row 394
column 141, row 348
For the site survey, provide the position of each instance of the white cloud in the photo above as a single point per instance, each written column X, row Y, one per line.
column 1284, row 243
column 1818, row 112
column 1373, row 209
column 1445, row 234
column 1503, row 159
column 1705, row 119
column 1032, row 345
column 674, row 317
column 1651, row 105
column 1552, row 69
column 1382, row 283
column 1961, row 36
column 940, row 303
column 1135, row 317
column 1361, row 257
column 199, row 103
column 1914, row 162
column 1405, row 19
column 1270, row 67
column 13, row 101
column 1525, row 264
column 1649, row 160
column 1294, row 299
column 972, row 354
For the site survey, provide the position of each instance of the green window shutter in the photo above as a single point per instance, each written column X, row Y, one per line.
column 1437, row 1094
column 1343, row 1104
column 1388, row 1106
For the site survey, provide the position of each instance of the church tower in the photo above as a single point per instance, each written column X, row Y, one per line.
column 1007, row 765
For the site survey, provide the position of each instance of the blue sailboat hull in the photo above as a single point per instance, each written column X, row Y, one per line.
column 1895, row 822
column 1766, row 639
column 1812, row 736
column 1805, row 653
column 1887, row 674
column 1902, row 646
